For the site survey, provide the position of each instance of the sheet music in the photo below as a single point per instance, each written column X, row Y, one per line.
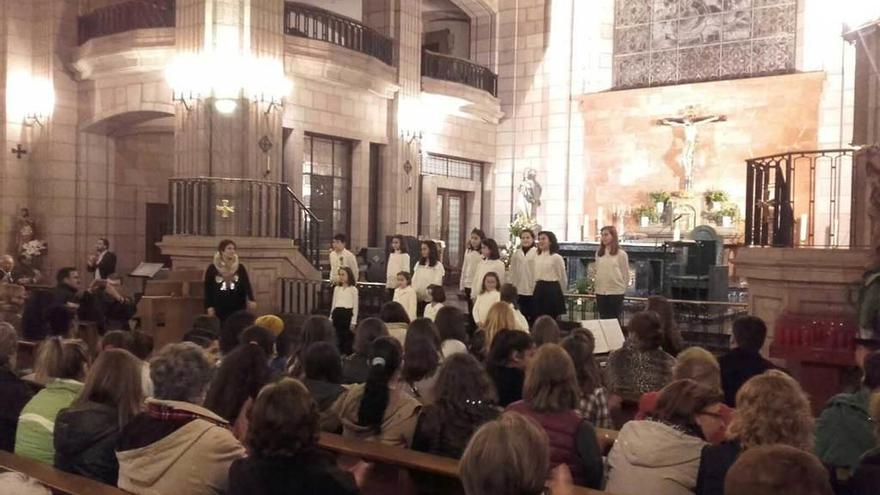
column 607, row 333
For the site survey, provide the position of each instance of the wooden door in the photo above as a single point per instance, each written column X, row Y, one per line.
column 157, row 226
column 451, row 208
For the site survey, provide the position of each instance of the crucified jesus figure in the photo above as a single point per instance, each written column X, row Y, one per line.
column 689, row 122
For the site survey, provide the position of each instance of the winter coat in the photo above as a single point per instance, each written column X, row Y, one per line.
column 844, row 430
column 85, row 441
column 33, row 438
column 16, row 393
column 715, row 461
column 310, row 472
column 633, row 372
column 398, row 425
column 737, row 366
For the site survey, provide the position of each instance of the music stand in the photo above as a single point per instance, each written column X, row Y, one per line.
column 146, row 271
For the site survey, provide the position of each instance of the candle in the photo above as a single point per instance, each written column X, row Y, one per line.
column 676, row 233
column 803, row 228
column 600, row 217
column 586, row 227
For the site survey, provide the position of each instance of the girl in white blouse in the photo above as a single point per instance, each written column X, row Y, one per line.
column 550, row 277
column 398, row 261
column 429, row 270
column 522, row 271
column 612, row 274
column 488, row 296
column 438, row 297
column 491, row 263
column 472, row 258
column 406, row 295
column 344, row 309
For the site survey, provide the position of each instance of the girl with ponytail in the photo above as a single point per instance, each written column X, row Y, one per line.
column 377, row 410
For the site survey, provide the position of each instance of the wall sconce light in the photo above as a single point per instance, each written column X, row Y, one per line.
column 29, row 100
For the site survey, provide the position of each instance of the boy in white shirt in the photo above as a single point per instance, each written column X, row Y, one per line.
column 341, row 257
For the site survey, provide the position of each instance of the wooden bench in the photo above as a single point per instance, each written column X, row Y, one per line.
column 59, row 482
column 378, row 453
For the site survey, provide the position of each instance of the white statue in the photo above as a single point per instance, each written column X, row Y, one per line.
column 529, row 195
column 690, row 124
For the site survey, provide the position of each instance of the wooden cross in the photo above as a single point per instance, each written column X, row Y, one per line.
column 18, row 151
column 224, row 208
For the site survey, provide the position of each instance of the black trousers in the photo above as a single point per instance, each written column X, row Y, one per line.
column 420, row 308
column 526, row 307
column 342, row 323
column 609, row 306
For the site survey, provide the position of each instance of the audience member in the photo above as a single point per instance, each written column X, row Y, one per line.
column 510, row 296
column 396, row 320
column 778, row 470
column 116, row 339
column 744, row 360
column 317, row 328
column 260, row 336
column 545, row 331
column 282, row 441
column 241, row 375
column 7, row 264
column 104, row 304
column 844, row 430
column 641, row 365
column 323, row 375
column 593, row 404
column 421, row 359
column 86, row 432
column 673, row 343
column 866, row 477
column 25, row 273
column 771, row 408
column 356, row 366
column 205, row 333
column 551, row 396
column 378, row 410
column 231, row 328
column 284, row 346
column 61, row 322
column 12, row 301
column 508, row 359
column 141, row 345
column 67, row 283
column 699, row 365
column 177, row 446
column 452, row 328
column 14, row 390
column 272, row 323
column 499, row 318
column 63, row 367
column 661, row 455
column 21, row 484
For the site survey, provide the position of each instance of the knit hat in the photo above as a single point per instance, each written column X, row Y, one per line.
column 272, row 323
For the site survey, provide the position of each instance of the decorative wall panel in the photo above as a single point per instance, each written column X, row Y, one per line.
column 660, row 42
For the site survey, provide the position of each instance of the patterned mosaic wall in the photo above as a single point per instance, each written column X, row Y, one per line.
column 660, row 42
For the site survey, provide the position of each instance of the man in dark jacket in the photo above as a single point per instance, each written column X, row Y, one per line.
column 102, row 263
column 744, row 360
column 66, row 288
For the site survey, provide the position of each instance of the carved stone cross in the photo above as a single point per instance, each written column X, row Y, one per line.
column 18, row 151
column 224, row 208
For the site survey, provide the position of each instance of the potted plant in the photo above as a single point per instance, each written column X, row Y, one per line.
column 725, row 215
column 715, row 199
column 659, row 198
column 645, row 215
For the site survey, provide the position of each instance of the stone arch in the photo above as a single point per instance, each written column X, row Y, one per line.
column 484, row 30
column 114, row 122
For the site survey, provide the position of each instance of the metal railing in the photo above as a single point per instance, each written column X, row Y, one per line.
column 211, row 206
column 803, row 198
column 453, row 69
column 318, row 24
column 125, row 16
column 707, row 324
column 307, row 297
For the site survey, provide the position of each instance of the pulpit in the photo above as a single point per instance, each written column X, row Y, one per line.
column 170, row 305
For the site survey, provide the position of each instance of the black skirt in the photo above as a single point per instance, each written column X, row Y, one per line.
column 548, row 299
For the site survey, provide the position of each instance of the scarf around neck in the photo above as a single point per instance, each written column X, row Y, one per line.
column 226, row 270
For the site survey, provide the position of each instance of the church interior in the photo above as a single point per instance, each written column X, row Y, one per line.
column 326, row 219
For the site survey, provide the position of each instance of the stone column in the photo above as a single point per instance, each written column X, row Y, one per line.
column 866, row 118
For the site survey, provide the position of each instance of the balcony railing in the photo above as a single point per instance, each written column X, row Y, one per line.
column 318, row 24
column 453, row 69
column 208, row 206
column 125, row 16
column 803, row 198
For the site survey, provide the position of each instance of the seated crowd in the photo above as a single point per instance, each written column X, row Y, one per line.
column 237, row 408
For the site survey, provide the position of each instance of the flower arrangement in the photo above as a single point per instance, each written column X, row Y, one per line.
column 659, row 197
column 715, row 197
column 727, row 210
column 33, row 248
column 646, row 211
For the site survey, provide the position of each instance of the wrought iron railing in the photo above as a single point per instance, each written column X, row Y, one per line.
column 307, row 297
column 707, row 324
column 318, row 24
column 240, row 207
column 125, row 16
column 803, row 198
column 453, row 69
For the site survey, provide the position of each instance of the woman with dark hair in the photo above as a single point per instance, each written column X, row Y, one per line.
column 227, row 286
column 450, row 324
column 640, row 366
column 323, row 366
column 673, row 343
column 522, row 271
column 398, row 261
column 612, row 275
column 661, row 455
column 428, row 271
column 355, row 366
column 86, row 432
column 282, row 440
column 472, row 257
column 551, row 280
column 550, row 397
column 593, row 405
column 490, row 263
column 377, row 410
column 508, row 358
column 421, row 358
column 396, row 319
column 317, row 328
column 241, row 375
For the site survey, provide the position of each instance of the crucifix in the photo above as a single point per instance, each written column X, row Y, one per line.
column 690, row 123
column 224, row 208
column 18, row 151
column 266, row 145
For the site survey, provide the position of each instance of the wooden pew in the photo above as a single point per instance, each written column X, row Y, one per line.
column 58, row 481
column 378, row 453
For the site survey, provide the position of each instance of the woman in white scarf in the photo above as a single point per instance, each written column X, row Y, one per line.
column 227, row 286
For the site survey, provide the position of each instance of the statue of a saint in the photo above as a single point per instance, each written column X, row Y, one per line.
column 529, row 195
column 689, row 123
